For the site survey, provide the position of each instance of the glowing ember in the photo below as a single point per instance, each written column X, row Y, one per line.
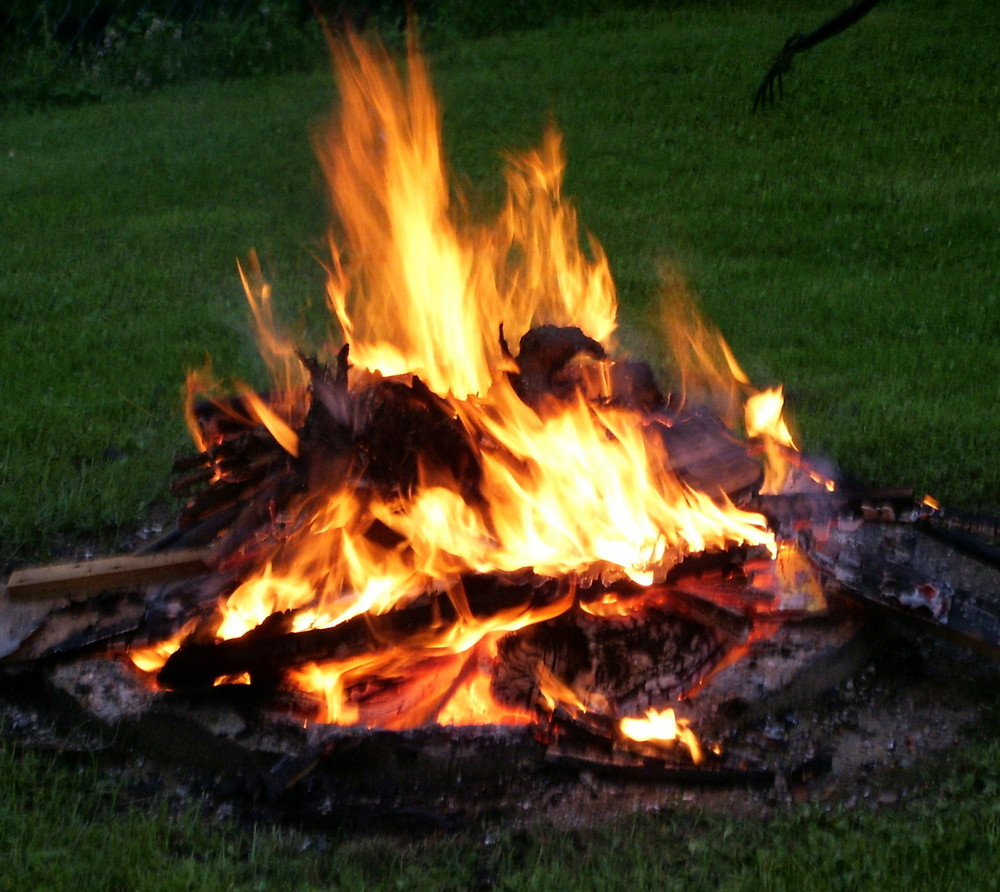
column 662, row 727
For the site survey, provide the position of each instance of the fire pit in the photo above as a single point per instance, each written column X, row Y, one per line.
column 469, row 539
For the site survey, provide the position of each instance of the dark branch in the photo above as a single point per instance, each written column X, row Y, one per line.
column 799, row 43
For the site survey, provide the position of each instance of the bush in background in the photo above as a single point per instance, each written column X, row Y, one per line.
column 77, row 52
column 73, row 51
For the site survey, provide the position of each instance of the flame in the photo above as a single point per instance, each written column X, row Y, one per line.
column 418, row 294
column 662, row 726
column 764, row 419
column 151, row 657
column 471, row 700
column 710, row 375
column 567, row 487
column 704, row 365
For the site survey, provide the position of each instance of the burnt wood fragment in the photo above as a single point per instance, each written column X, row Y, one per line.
column 543, row 355
column 704, row 454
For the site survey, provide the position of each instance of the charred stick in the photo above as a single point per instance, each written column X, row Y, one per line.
column 655, row 770
column 192, row 479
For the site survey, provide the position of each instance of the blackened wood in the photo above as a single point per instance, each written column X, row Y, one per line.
column 543, row 355
column 191, row 479
column 386, row 432
column 984, row 528
column 192, row 534
column 266, row 652
column 254, row 523
column 661, row 772
column 904, row 570
column 648, row 657
column 187, row 463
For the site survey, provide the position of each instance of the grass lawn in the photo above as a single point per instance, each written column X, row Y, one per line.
column 845, row 242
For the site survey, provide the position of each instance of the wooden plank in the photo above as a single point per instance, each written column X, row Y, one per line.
column 82, row 578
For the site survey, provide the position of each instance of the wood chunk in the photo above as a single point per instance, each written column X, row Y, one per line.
column 705, row 455
column 82, row 578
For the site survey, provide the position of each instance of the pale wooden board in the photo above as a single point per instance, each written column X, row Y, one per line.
column 82, row 578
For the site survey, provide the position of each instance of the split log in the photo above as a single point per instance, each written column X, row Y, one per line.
column 125, row 572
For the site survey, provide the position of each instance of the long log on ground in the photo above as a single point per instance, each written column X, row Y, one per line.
column 918, row 578
column 81, row 578
column 270, row 648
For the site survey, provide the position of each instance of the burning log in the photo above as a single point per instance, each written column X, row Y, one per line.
column 389, row 433
column 272, row 648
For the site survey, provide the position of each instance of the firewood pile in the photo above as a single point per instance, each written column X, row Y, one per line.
column 729, row 637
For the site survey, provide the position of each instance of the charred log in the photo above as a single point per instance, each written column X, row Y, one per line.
column 542, row 360
column 271, row 648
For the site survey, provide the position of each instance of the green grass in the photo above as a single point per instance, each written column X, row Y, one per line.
column 76, row 830
column 845, row 241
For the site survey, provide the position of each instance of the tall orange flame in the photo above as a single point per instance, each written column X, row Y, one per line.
column 567, row 487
